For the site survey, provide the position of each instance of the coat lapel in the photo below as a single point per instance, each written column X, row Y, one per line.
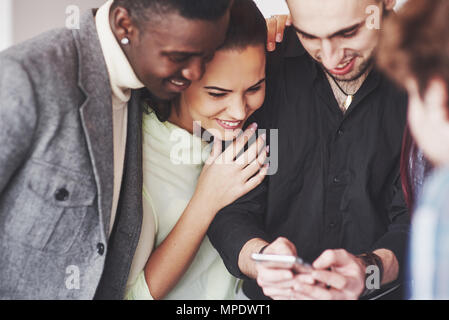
column 96, row 113
column 127, row 227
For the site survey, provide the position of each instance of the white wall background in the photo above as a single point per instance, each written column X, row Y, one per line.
column 5, row 24
column 271, row 7
column 400, row 3
column 23, row 19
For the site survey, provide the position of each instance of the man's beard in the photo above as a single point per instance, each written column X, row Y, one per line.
column 364, row 67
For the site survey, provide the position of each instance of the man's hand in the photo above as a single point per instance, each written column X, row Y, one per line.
column 276, row 27
column 339, row 275
column 277, row 280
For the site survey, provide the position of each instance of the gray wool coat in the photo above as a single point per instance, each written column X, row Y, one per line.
column 56, row 171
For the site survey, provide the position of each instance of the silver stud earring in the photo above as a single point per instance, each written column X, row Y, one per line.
column 125, row 41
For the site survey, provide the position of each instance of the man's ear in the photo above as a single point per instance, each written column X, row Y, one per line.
column 436, row 99
column 122, row 24
column 389, row 4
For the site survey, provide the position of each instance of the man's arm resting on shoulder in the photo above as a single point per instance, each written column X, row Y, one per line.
column 17, row 118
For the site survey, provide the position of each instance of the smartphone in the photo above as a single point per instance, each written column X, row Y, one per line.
column 296, row 264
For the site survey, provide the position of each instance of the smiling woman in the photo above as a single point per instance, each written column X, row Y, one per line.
column 233, row 86
column 178, row 202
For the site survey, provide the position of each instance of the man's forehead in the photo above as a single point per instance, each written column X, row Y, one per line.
column 180, row 34
column 177, row 44
column 322, row 18
column 331, row 6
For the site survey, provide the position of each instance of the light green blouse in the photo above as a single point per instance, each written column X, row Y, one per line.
column 172, row 162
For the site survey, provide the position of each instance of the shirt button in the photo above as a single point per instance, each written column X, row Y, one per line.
column 100, row 249
column 331, row 225
column 340, row 132
column 337, row 180
column 62, row 195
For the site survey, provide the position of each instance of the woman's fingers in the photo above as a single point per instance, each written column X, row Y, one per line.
column 280, row 29
column 255, row 165
column 215, row 152
column 256, row 180
column 276, row 28
column 247, row 158
column 271, row 40
column 289, row 21
column 234, row 148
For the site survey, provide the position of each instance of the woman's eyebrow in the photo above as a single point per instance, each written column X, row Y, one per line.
column 227, row 90
column 217, row 88
column 258, row 83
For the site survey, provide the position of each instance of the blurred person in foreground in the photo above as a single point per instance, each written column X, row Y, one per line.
column 415, row 51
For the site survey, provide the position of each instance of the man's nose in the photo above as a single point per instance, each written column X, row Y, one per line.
column 331, row 55
column 195, row 69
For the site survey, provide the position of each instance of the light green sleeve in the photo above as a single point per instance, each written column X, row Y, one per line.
column 139, row 289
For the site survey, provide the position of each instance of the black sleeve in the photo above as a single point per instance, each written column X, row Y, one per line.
column 244, row 219
column 238, row 223
column 396, row 238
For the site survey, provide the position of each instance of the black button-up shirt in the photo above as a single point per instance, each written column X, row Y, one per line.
column 337, row 183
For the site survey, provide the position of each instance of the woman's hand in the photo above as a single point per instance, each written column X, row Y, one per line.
column 226, row 178
column 276, row 26
column 223, row 180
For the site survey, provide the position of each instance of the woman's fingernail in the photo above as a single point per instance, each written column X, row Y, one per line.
column 279, row 37
column 271, row 46
column 268, row 150
column 253, row 126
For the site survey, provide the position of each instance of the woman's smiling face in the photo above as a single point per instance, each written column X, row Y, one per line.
column 232, row 89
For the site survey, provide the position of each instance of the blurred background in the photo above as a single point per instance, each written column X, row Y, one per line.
column 23, row 19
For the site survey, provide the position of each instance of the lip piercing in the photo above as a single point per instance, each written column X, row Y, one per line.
column 125, row 41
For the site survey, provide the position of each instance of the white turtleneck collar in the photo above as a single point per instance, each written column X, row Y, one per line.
column 121, row 74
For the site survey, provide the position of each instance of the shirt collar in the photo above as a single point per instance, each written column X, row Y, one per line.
column 121, row 74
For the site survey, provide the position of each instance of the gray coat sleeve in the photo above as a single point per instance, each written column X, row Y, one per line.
column 18, row 118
